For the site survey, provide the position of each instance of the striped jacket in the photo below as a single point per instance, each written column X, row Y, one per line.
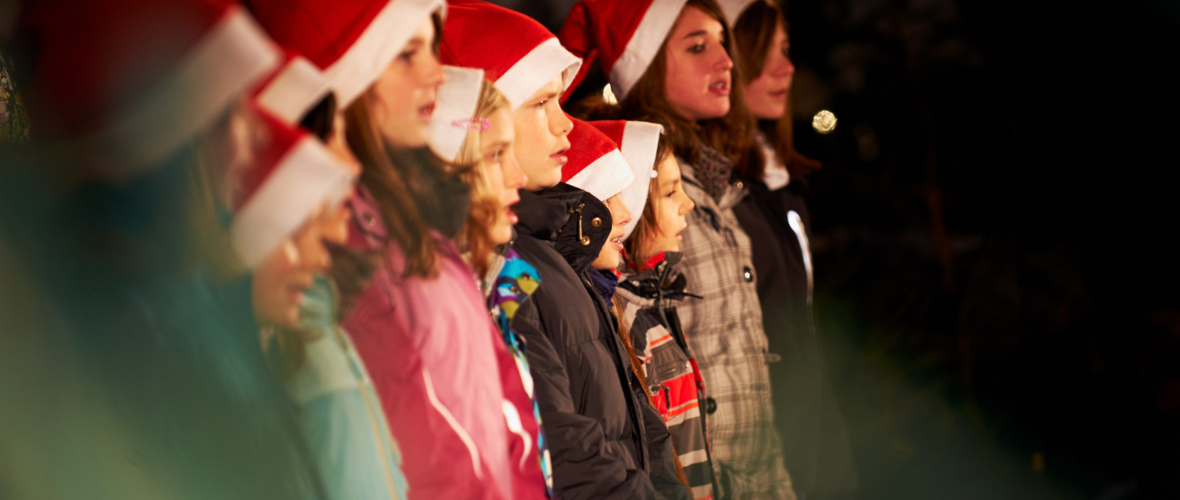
column 672, row 377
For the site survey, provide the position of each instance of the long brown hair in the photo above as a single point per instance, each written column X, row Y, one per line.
column 753, row 32
column 475, row 237
column 648, row 101
column 392, row 182
column 647, row 226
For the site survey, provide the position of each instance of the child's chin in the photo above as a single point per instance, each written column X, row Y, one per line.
column 290, row 317
column 502, row 234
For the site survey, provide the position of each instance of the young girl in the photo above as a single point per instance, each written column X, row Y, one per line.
column 648, row 320
column 775, row 216
column 420, row 325
column 505, row 279
column 671, row 63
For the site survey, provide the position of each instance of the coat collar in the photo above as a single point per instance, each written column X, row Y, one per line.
column 575, row 221
column 732, row 196
column 662, row 281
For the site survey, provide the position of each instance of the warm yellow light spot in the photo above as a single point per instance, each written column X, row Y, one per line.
column 824, row 121
column 608, row 95
column 1038, row 462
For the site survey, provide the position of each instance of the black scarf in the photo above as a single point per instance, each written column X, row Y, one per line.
column 713, row 170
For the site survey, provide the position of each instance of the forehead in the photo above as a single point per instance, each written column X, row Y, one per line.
column 425, row 30
column 554, row 87
column 692, row 20
column 500, row 128
column 668, row 170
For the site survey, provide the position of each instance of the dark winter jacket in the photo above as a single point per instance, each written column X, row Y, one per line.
column 605, row 440
column 815, row 443
column 675, row 383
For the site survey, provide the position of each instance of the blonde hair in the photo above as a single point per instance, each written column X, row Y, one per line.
column 486, row 211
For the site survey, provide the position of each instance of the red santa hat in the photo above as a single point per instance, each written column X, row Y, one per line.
column 134, row 80
column 293, row 89
column 286, row 183
column 639, row 143
column 454, row 111
column 515, row 52
column 733, row 9
column 625, row 36
column 595, row 164
column 350, row 41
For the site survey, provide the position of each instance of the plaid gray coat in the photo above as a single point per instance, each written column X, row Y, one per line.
column 724, row 330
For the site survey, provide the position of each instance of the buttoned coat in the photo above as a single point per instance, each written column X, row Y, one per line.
column 724, row 330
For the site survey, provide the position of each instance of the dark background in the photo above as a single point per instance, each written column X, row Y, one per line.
column 993, row 240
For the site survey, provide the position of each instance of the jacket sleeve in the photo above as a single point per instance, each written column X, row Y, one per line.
column 582, row 469
column 659, row 443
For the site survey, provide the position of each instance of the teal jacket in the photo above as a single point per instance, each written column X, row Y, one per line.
column 343, row 422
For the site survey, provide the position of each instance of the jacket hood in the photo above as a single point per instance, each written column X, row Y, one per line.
column 575, row 221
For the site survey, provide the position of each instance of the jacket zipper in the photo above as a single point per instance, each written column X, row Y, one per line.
column 374, row 420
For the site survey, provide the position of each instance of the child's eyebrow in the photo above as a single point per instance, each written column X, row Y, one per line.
column 499, row 144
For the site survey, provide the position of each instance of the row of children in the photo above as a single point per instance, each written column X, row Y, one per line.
column 357, row 249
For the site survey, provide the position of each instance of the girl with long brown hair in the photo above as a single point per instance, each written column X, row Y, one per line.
column 775, row 215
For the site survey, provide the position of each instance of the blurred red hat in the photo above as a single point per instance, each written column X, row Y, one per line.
column 136, row 79
column 513, row 50
column 624, row 36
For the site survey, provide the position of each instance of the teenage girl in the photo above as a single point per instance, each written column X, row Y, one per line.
column 775, row 215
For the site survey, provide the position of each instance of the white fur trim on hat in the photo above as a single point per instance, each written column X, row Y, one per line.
column 734, row 8
column 644, row 44
column 232, row 55
column 454, row 108
column 306, row 178
column 536, row 69
column 605, row 177
column 372, row 52
column 294, row 91
column 640, row 146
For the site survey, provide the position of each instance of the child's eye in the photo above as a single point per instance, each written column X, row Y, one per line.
column 697, row 49
column 406, row 56
column 542, row 103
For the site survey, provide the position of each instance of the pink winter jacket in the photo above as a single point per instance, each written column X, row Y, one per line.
column 443, row 374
